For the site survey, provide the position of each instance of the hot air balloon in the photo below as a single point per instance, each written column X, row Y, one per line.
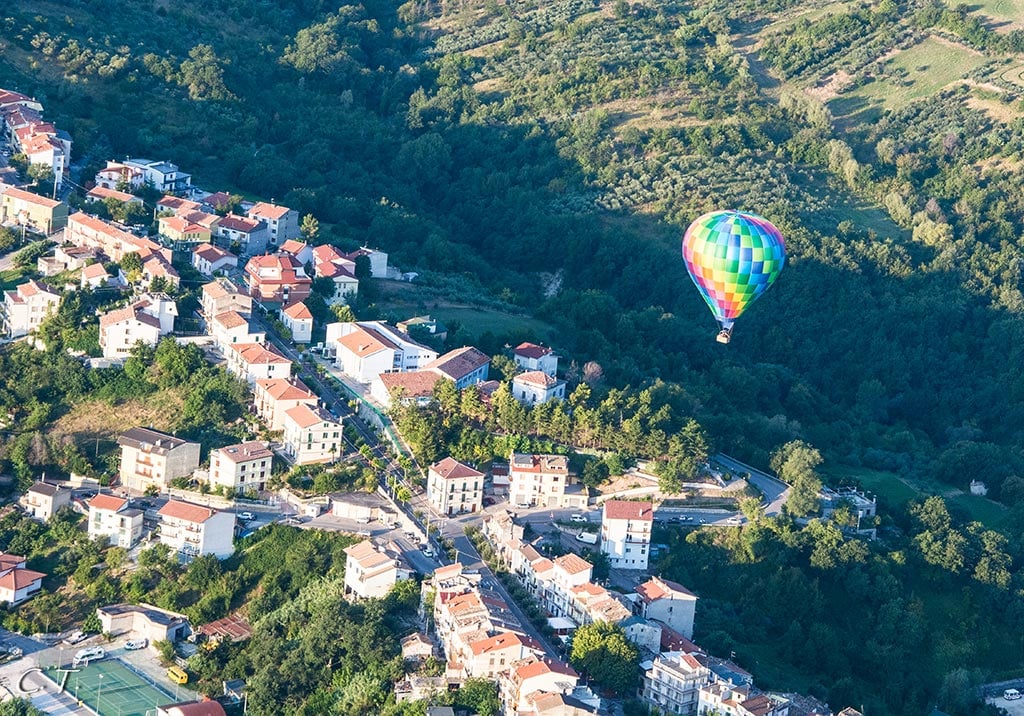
column 733, row 258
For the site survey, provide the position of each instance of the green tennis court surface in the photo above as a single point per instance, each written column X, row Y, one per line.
column 112, row 689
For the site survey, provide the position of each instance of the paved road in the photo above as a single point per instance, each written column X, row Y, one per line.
column 776, row 492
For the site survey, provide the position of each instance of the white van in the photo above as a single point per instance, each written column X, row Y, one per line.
column 92, row 653
column 1011, row 694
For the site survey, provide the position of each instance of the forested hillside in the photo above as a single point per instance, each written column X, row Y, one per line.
column 492, row 146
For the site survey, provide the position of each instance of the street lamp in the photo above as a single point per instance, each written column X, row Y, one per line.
column 99, row 687
column 60, row 662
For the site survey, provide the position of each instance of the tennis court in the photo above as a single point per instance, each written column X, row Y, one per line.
column 112, row 689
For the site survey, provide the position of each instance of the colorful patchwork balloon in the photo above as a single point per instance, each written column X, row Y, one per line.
column 733, row 258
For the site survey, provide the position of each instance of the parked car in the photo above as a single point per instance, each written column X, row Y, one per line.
column 177, row 675
column 92, row 653
column 577, row 518
column 363, row 520
column 246, row 516
column 523, row 505
column 428, row 553
column 1011, row 694
column 136, row 644
column 75, row 637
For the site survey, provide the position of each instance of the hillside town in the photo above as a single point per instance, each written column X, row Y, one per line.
column 511, row 559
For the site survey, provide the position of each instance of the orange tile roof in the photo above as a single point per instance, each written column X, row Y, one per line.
column 305, row 416
column 298, row 311
column 245, row 452
column 19, row 579
column 186, row 511
column 366, row 555
column 539, row 667
column 573, row 564
column 231, row 319
column 413, row 384
column 658, row 588
column 498, row 642
column 537, row 378
column 365, row 342
column 285, row 388
column 459, row 363
column 108, row 502
column 271, row 211
column 102, row 192
column 531, row 350
column 29, row 197
column 258, row 354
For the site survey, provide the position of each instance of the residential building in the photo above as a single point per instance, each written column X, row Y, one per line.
column 250, row 236
column 36, row 213
column 182, row 232
column 535, row 387
column 329, row 262
column 465, row 366
column 282, row 222
column 44, row 499
column 154, row 266
column 243, row 468
column 256, row 361
column 626, row 533
column 300, row 250
column 365, row 349
column 532, row 676
column 234, row 328
column 102, row 194
column 547, row 704
column 162, row 176
column 277, row 280
column 89, row 231
column 543, row 481
column 151, row 458
column 722, row 698
column 530, row 357
column 669, row 603
column 177, row 205
column 413, row 387
column 17, row 583
column 371, row 572
column 274, row 397
column 311, row 435
column 208, row 259
column 40, row 141
column 143, row 621
column 218, row 201
column 593, row 603
column 114, row 518
column 116, row 174
column 222, row 295
column 361, row 506
column 95, row 276
column 672, row 682
column 504, row 534
column 378, row 261
column 454, row 487
column 27, row 307
column 417, row 647
column 65, row 258
column 489, row 656
column 195, row 530
column 299, row 321
column 123, row 328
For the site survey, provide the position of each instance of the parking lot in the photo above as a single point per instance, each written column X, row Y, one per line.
column 1014, row 708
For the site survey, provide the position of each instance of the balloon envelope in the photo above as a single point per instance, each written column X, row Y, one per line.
column 733, row 258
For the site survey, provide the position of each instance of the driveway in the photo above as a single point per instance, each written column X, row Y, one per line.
column 776, row 492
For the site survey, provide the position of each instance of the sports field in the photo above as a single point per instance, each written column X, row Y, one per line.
column 112, row 689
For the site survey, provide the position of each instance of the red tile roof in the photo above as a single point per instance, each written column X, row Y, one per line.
column 625, row 510
column 186, row 511
column 102, row 192
column 459, row 363
column 29, row 197
column 258, row 354
column 532, row 350
column 573, row 564
column 538, row 667
column 497, row 642
column 285, row 388
column 19, row 579
column 304, row 416
column 537, row 378
column 271, row 211
column 452, row 469
column 414, row 384
column 108, row 502
column 658, row 588
column 298, row 311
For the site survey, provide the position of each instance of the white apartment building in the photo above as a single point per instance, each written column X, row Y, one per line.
column 276, row 396
column 669, row 603
column 282, row 222
column 298, row 319
column 122, row 328
column 543, row 481
column 672, row 683
column 464, row 366
column 454, row 487
column 256, row 361
column 365, row 349
column 371, row 572
column 233, row 328
column 113, row 518
column 27, row 307
column 222, row 295
column 722, row 698
column 626, row 533
column 311, row 435
column 44, row 499
column 151, row 458
column 530, row 356
column 195, row 530
column 535, row 387
column 241, row 467
column 208, row 259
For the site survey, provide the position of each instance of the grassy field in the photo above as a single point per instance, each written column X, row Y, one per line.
column 93, row 420
column 923, row 70
column 896, row 491
column 1003, row 15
